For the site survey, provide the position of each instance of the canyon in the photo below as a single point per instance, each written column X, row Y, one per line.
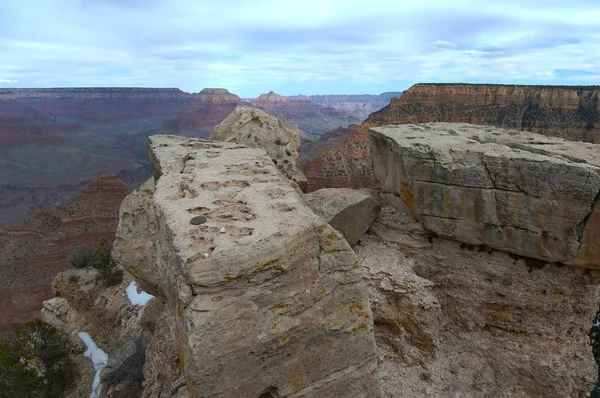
column 55, row 141
column 34, row 251
column 569, row 112
column 360, row 106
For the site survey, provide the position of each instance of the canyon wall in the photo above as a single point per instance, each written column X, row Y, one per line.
column 569, row 112
column 208, row 108
column 34, row 251
column 360, row 106
column 309, row 117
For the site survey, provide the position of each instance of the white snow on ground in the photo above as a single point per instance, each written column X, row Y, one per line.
column 135, row 297
column 99, row 359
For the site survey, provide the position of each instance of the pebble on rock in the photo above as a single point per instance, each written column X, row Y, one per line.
column 223, row 230
column 198, row 220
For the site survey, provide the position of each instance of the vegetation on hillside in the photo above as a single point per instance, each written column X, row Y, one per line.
column 35, row 362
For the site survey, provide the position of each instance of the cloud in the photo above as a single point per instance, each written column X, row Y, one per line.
column 319, row 46
column 443, row 44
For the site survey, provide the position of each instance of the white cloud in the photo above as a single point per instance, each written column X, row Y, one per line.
column 444, row 44
column 8, row 81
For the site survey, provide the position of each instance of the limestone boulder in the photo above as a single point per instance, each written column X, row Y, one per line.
column 350, row 211
column 266, row 295
column 254, row 128
column 521, row 192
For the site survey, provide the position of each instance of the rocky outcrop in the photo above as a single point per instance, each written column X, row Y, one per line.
column 310, row 117
column 349, row 211
column 569, row 112
column 459, row 320
column 254, row 128
column 520, row 192
column 208, row 108
column 360, row 106
column 265, row 293
column 139, row 340
column 34, row 251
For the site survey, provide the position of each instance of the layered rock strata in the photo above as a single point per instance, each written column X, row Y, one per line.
column 310, row 117
column 266, row 294
column 360, row 106
column 570, row 112
column 34, row 251
column 254, row 128
column 520, row 192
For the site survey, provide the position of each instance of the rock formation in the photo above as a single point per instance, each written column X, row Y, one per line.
column 32, row 252
column 349, row 211
column 568, row 112
column 525, row 193
column 459, row 320
column 310, row 117
column 347, row 166
column 332, row 139
column 360, row 106
column 265, row 293
column 254, row 128
column 207, row 109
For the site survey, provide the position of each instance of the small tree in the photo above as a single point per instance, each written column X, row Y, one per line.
column 103, row 261
column 106, row 266
column 35, row 362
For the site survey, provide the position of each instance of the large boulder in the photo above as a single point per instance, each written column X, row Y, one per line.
column 254, row 128
column 520, row 192
column 350, row 211
column 266, row 295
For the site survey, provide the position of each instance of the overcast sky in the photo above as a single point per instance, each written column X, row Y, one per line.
column 297, row 47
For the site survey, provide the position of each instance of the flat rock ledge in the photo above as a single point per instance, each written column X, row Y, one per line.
column 267, row 296
column 524, row 193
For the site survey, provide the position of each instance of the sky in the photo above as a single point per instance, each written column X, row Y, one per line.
column 297, row 47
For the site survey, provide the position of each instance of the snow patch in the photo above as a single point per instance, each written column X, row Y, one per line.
column 99, row 359
column 135, row 297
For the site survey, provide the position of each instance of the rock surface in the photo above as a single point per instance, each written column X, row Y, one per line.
column 34, row 251
column 520, row 192
column 569, row 112
column 254, row 128
column 280, row 274
column 349, row 211
column 457, row 320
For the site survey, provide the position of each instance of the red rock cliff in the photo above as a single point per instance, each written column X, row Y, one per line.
column 34, row 251
column 570, row 112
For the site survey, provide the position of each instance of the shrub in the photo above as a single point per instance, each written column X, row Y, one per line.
column 103, row 261
column 105, row 265
column 81, row 258
column 35, row 362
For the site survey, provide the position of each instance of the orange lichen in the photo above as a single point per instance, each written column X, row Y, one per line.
column 297, row 383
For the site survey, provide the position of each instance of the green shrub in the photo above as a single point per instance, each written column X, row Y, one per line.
column 103, row 261
column 35, row 362
column 105, row 265
column 81, row 258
